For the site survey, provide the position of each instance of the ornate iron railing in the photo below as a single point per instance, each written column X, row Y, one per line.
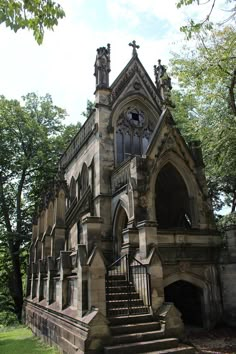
column 127, row 287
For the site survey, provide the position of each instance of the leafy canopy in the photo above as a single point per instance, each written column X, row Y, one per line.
column 35, row 15
column 207, row 79
column 32, row 138
column 228, row 14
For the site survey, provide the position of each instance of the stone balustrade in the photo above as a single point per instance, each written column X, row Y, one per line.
column 120, row 177
column 85, row 131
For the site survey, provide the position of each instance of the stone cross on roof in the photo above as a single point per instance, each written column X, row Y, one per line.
column 135, row 47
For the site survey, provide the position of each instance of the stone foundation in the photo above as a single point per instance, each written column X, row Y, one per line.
column 71, row 335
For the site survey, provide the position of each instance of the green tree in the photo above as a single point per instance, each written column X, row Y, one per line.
column 208, row 73
column 228, row 14
column 35, row 15
column 32, row 138
column 89, row 109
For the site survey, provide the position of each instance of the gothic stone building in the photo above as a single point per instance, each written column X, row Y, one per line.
column 125, row 249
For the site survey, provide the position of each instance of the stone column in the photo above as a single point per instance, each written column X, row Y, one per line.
column 34, row 276
column 65, row 269
column 82, row 280
column 147, row 236
column 96, row 281
column 41, row 275
column 51, row 272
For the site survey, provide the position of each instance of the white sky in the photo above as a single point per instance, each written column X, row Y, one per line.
column 63, row 65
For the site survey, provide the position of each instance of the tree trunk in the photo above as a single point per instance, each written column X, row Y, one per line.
column 15, row 282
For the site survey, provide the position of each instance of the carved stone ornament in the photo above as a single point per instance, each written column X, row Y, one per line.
column 137, row 85
column 102, row 67
column 184, row 267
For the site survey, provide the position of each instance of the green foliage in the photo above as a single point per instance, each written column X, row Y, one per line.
column 226, row 221
column 21, row 341
column 32, row 139
column 194, row 27
column 89, row 109
column 208, row 74
column 35, row 15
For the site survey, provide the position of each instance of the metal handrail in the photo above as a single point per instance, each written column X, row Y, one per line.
column 127, row 287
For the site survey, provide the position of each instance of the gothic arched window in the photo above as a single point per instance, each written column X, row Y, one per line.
column 84, row 179
column 72, row 189
column 132, row 134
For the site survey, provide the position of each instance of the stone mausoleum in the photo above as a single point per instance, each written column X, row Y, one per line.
column 125, row 250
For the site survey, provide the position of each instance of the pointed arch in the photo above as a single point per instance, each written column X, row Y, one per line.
column 133, row 120
column 72, row 190
column 189, row 180
column 172, row 199
column 120, row 222
column 84, row 180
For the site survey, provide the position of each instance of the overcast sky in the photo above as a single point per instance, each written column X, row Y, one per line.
column 63, row 65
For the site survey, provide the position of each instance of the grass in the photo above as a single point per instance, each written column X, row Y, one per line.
column 20, row 340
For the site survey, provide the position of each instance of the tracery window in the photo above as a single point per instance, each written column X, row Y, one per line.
column 72, row 190
column 84, row 179
column 133, row 132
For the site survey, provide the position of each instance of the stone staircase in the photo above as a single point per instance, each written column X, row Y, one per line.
column 132, row 326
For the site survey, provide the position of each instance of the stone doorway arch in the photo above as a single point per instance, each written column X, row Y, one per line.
column 120, row 223
column 172, row 199
column 188, row 299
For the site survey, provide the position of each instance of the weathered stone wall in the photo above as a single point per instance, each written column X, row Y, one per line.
column 85, row 335
column 227, row 270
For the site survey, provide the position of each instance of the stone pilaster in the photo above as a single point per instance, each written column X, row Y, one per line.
column 96, row 281
column 82, row 280
column 51, row 272
column 65, row 269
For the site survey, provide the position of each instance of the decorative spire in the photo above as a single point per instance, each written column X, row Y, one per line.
column 163, row 83
column 135, row 47
column 102, row 67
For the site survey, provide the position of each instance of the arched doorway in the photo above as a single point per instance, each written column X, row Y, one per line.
column 120, row 223
column 188, row 300
column 172, row 200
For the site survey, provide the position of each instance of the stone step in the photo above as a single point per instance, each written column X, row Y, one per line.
column 118, row 282
column 122, row 296
column 135, row 327
column 137, row 337
column 131, row 319
column 125, row 311
column 121, row 289
column 181, row 349
column 113, row 304
column 113, row 276
column 142, row 346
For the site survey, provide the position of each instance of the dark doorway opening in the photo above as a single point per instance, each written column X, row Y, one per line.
column 187, row 298
column 121, row 222
column 172, row 200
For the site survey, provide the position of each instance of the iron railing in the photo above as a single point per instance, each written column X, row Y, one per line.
column 127, row 287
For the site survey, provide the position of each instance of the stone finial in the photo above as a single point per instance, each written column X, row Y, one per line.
column 102, row 67
column 135, row 47
column 163, row 83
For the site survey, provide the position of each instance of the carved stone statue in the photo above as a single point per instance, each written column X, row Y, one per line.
column 102, row 67
column 163, row 83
